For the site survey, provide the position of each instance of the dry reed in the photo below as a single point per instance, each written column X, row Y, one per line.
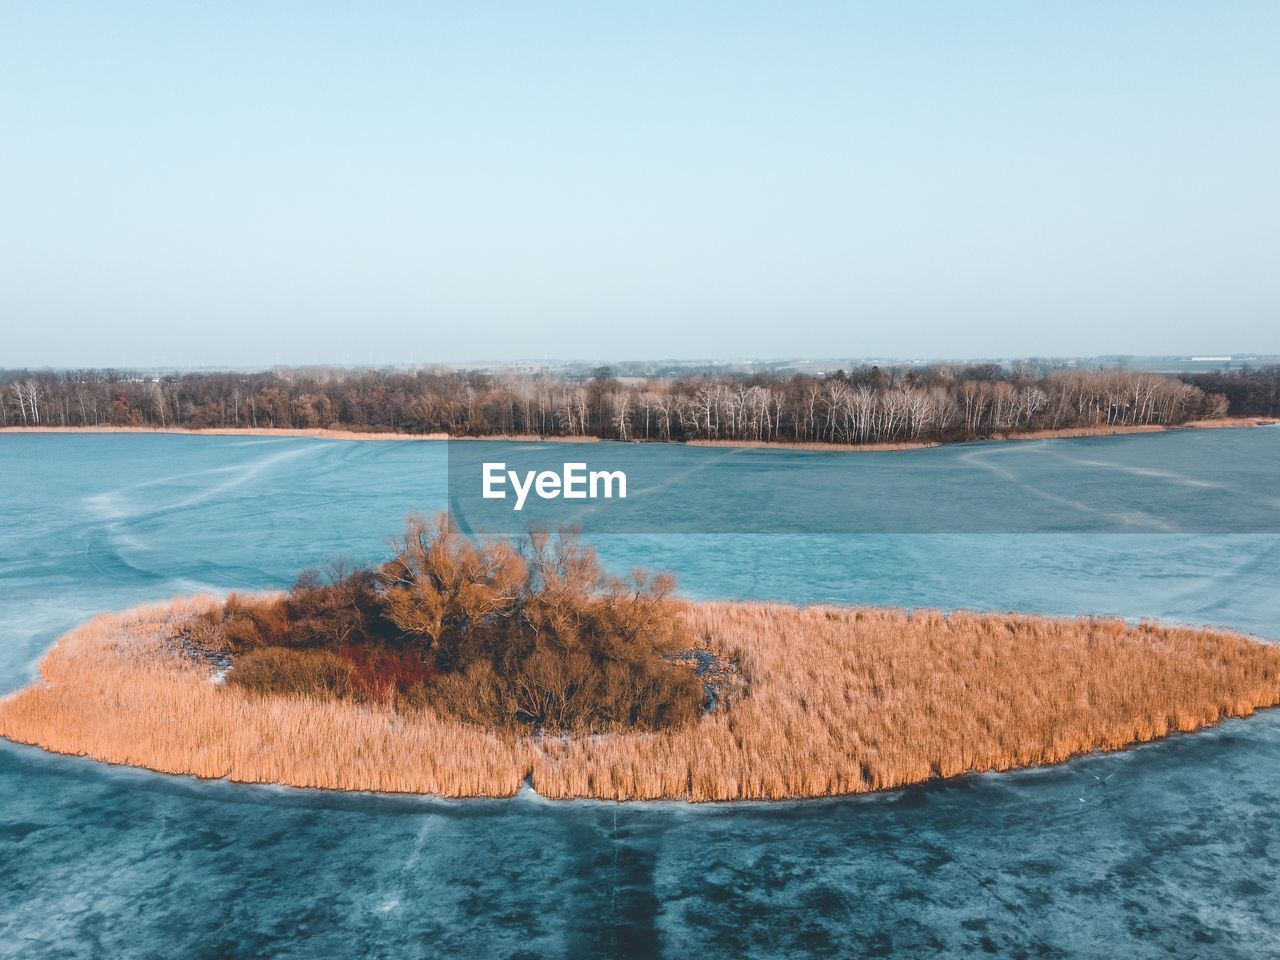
column 1232, row 422
column 321, row 433
column 1118, row 429
column 839, row 701
column 328, row 433
column 1112, row 430
column 814, row 445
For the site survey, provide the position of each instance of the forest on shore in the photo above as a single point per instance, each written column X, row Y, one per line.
column 863, row 406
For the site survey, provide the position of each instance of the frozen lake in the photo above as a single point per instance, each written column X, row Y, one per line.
column 1171, row 848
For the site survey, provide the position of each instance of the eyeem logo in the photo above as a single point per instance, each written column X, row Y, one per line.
column 573, row 482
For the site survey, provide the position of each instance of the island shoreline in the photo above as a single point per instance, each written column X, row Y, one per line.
column 86, row 702
column 326, row 433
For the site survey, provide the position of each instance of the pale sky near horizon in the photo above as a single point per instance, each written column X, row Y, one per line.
column 240, row 184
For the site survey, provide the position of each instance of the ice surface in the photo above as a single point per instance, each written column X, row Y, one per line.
column 1168, row 849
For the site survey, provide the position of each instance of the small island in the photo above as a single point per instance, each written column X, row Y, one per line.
column 468, row 669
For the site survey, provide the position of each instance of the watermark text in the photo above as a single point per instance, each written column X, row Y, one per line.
column 573, row 482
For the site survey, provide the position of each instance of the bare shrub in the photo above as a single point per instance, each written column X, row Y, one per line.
column 454, row 597
column 339, row 607
column 531, row 636
column 240, row 624
column 559, row 691
column 308, row 673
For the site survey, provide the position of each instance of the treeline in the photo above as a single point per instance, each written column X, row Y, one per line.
column 1249, row 392
column 868, row 405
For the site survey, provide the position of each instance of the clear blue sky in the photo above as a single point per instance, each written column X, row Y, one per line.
column 227, row 183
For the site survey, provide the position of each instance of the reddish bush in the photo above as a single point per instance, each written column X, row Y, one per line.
column 382, row 672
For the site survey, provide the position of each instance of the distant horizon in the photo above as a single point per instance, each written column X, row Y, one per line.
column 551, row 358
column 1209, row 360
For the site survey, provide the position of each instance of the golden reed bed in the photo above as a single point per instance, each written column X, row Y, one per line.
column 1119, row 429
column 838, row 701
